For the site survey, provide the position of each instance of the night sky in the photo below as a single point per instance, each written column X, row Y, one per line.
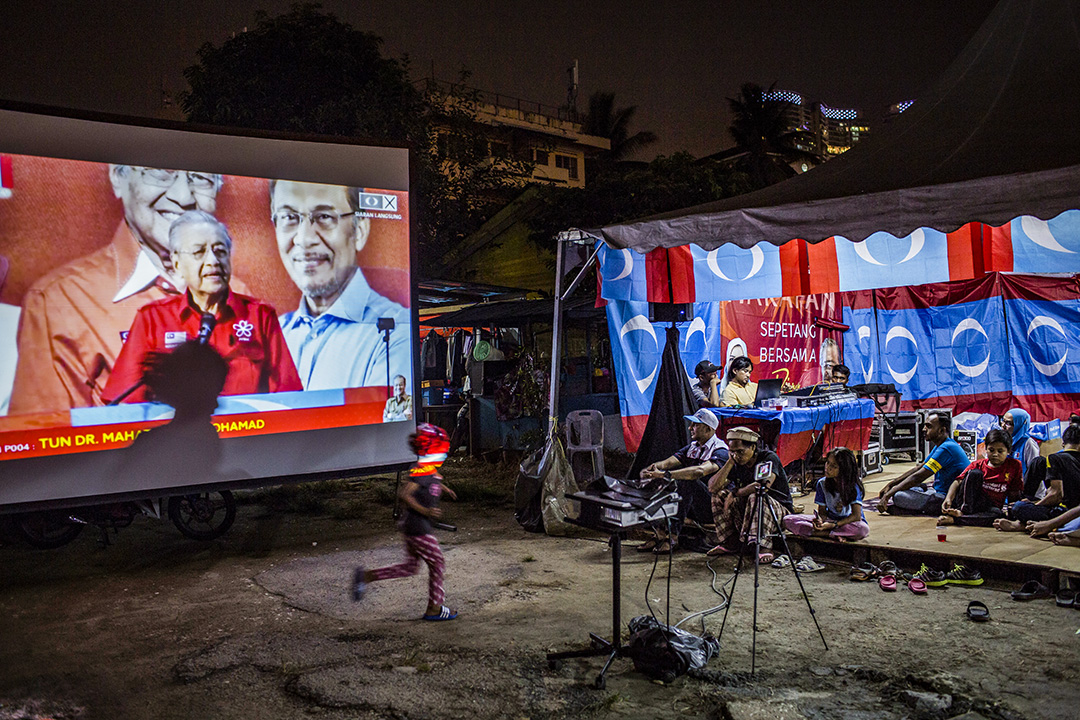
column 676, row 61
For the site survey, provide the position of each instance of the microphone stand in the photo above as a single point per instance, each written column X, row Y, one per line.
column 385, row 325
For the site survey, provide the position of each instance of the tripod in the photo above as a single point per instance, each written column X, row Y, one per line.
column 761, row 496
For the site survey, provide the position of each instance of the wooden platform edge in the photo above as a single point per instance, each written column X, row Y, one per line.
column 909, row 560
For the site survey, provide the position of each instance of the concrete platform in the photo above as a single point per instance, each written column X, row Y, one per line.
column 909, row 541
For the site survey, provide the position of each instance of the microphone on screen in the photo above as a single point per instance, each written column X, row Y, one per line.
column 206, row 326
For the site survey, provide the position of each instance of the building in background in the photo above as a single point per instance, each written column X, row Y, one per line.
column 834, row 130
column 551, row 139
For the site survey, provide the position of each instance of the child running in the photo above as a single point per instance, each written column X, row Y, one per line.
column 421, row 498
column 978, row 495
column 839, row 497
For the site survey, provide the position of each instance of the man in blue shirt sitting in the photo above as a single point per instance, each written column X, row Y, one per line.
column 909, row 492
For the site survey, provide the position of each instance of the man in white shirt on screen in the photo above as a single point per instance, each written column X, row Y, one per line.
column 333, row 335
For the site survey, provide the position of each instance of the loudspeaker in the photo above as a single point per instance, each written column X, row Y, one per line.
column 671, row 312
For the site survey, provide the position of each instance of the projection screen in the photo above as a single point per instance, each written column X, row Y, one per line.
column 312, row 242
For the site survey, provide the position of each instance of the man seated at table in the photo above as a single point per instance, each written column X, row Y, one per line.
column 689, row 467
column 841, row 374
column 909, row 493
column 734, row 496
column 707, row 388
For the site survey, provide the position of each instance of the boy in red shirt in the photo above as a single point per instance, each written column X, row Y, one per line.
column 978, row 496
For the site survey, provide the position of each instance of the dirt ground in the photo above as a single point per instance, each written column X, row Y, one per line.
column 259, row 625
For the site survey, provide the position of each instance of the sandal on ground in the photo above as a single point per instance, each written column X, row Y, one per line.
column 887, row 583
column 648, row 545
column 665, row 546
column 916, row 586
column 808, row 565
column 888, row 568
column 765, row 557
column 444, row 613
column 1066, row 599
column 719, row 550
column 781, row 562
column 864, row 572
column 1031, row 590
column 977, row 611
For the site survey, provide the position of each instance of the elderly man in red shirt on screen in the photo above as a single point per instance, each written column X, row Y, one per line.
column 74, row 317
column 245, row 331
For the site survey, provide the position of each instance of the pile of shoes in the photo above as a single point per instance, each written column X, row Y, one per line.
column 888, row 576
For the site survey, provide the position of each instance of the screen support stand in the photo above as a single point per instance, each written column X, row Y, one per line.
column 600, row 646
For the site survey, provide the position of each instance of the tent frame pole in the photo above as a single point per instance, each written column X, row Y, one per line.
column 556, row 330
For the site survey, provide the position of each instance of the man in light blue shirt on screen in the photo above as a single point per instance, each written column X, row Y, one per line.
column 334, row 336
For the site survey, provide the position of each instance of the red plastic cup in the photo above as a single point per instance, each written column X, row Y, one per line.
column 941, row 533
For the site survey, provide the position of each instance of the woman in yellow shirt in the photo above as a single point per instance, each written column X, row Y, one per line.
column 739, row 390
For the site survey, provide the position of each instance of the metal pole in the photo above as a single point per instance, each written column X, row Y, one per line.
column 556, row 331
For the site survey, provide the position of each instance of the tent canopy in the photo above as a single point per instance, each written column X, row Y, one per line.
column 993, row 139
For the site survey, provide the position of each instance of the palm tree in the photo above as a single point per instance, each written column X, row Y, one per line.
column 603, row 120
column 760, row 130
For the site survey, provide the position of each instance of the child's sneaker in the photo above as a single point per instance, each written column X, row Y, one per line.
column 930, row 578
column 960, row 575
column 359, row 587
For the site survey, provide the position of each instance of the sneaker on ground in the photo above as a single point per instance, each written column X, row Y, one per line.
column 960, row 575
column 931, row 578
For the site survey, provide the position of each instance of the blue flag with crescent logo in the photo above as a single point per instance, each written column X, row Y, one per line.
column 884, row 260
column 1041, row 246
column 906, row 357
column 1044, row 346
column 733, row 273
column 637, row 346
column 970, row 347
column 622, row 274
column 945, row 351
column 861, row 345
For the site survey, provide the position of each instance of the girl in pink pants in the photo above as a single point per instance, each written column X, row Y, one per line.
column 839, row 497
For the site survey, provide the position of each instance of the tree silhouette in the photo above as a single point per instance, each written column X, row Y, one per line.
column 307, row 72
column 760, row 130
column 604, row 120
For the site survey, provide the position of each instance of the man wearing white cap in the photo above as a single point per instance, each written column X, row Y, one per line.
column 734, row 494
column 689, row 467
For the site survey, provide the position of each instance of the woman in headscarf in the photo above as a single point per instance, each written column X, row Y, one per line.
column 1017, row 423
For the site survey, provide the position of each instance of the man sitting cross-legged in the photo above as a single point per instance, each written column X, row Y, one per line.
column 1063, row 480
column 908, row 492
column 734, row 495
column 689, row 467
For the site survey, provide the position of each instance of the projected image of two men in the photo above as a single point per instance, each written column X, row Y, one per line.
column 105, row 265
